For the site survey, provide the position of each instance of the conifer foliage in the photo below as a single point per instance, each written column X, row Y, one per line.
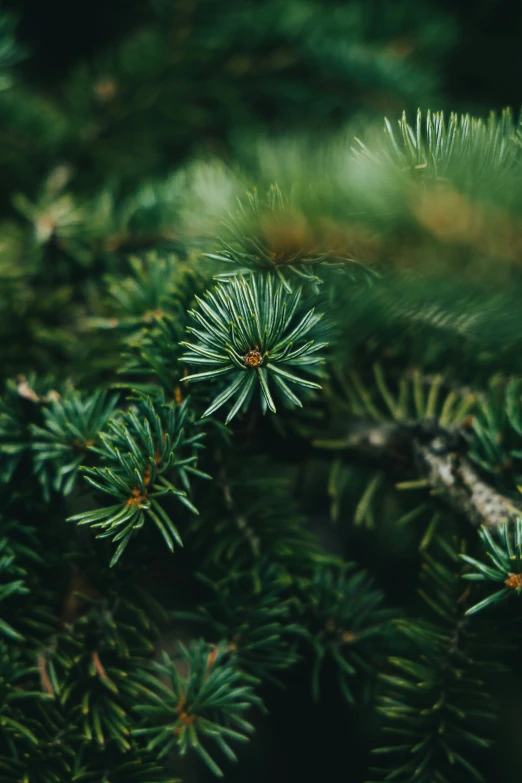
column 255, row 333
column 261, row 422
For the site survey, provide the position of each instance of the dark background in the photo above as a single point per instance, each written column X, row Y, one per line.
column 483, row 71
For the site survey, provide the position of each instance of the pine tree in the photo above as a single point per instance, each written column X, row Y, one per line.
column 261, row 412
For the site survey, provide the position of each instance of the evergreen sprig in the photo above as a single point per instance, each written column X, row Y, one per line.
column 71, row 425
column 251, row 613
column 153, row 356
column 454, row 146
column 149, row 290
column 496, row 445
column 207, row 704
column 147, row 294
column 434, row 701
column 91, row 670
column 345, row 621
column 253, row 333
column 153, row 351
column 272, row 234
column 505, row 563
column 142, row 453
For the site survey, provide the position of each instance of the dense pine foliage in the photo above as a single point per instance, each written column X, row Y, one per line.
column 261, row 404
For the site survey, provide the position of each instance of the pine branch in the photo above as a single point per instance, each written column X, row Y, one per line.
column 254, row 334
column 274, row 234
column 453, row 441
column 505, row 555
column 343, row 618
column 444, row 146
column 91, row 667
column 456, row 482
column 142, row 453
column 434, row 700
column 70, row 425
column 207, row 705
column 439, row 462
column 251, row 613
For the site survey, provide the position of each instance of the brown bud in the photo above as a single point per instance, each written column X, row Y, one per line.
column 253, row 358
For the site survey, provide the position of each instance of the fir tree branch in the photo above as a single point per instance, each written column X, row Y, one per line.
column 459, row 485
column 439, row 461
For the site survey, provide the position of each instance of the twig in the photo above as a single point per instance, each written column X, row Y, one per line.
column 439, row 460
column 463, row 490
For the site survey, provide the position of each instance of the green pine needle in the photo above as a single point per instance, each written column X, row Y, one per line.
column 142, row 453
column 252, row 334
column 504, row 551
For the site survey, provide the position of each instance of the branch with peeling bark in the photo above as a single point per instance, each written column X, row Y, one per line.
column 435, row 455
